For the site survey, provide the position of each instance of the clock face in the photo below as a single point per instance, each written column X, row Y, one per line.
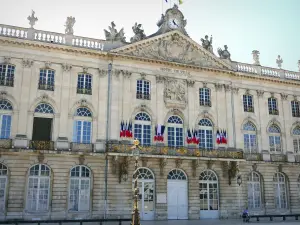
column 174, row 23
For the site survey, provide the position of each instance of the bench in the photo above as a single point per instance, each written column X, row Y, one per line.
column 276, row 215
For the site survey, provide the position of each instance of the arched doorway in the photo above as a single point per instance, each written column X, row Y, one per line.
column 177, row 195
column 146, row 193
column 209, row 195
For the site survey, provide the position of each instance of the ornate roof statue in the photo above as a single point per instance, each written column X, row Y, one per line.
column 32, row 19
column 207, row 44
column 279, row 61
column 224, row 54
column 138, row 33
column 255, row 55
column 113, row 34
column 69, row 25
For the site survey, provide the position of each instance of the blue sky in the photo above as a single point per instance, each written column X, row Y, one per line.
column 270, row 26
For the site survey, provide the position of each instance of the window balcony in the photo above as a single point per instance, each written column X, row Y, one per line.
column 7, row 82
column 47, row 87
column 143, row 96
column 205, row 103
column 249, row 109
column 85, row 91
column 41, row 145
column 273, row 112
column 174, row 151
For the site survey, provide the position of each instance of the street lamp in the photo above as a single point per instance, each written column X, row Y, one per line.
column 135, row 219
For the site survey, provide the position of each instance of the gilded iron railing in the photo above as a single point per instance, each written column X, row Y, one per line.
column 181, row 151
column 5, row 143
column 41, row 145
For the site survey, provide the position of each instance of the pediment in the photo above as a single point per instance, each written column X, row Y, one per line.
column 173, row 47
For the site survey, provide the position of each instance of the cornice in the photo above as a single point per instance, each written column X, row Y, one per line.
column 45, row 45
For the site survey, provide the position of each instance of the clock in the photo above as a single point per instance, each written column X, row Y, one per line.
column 173, row 23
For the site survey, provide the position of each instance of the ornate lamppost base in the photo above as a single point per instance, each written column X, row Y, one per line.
column 135, row 220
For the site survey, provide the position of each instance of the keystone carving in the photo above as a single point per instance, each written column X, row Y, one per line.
column 3, row 95
column 40, row 157
column 144, row 162
column 48, row 65
column 178, row 163
column 162, row 165
column 81, row 159
column 7, row 60
column 85, row 69
column 82, row 102
column 209, row 164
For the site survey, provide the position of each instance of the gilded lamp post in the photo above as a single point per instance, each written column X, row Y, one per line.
column 135, row 218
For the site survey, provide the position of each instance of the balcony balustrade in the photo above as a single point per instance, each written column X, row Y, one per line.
column 41, row 145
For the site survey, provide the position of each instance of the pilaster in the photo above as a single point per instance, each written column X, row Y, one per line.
column 261, row 136
column 229, row 115
column 285, row 109
column 160, row 99
column 102, row 111
column 126, row 95
column 115, row 117
column 191, row 104
column 24, row 98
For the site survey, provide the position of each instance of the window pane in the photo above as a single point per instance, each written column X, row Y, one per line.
column 5, row 126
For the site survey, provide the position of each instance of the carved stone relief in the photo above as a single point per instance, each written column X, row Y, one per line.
column 175, row 93
column 160, row 79
column 3, row 95
column 7, row 60
column 162, row 165
column 66, row 67
column 260, row 93
column 235, row 90
column 218, row 87
column 284, row 96
column 178, row 163
column 102, row 72
column 175, row 49
column 227, row 87
column 81, row 159
column 190, row 83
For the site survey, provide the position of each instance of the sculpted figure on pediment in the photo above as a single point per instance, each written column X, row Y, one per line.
column 175, row 49
column 175, row 93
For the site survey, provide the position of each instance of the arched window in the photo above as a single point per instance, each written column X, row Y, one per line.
column 254, row 191
column 144, row 174
column 205, row 134
column 274, row 138
column 142, row 128
column 44, row 108
column 249, row 130
column 5, row 119
column 38, row 190
column 176, row 174
column 208, row 191
column 296, row 139
column 280, row 191
column 3, row 186
column 80, row 186
column 46, row 81
column 7, row 74
column 175, row 131
column 82, row 128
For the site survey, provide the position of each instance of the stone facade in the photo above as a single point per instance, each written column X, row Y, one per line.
column 176, row 67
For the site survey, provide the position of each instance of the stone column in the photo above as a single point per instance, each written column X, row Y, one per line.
column 160, row 99
column 220, row 107
column 261, row 136
column 229, row 116
column 115, row 105
column 24, row 98
column 235, row 98
column 127, row 101
column 287, row 142
column 64, row 129
column 191, row 103
column 102, row 111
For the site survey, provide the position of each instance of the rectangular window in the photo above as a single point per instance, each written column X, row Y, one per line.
column 84, row 84
column 143, row 89
column 272, row 104
column 275, row 143
column 296, row 143
column 250, row 142
column 206, row 139
column 295, row 109
column 5, row 121
column 79, row 198
column 82, row 132
column 46, row 81
column 175, row 136
column 7, row 73
column 204, row 97
column 248, row 103
column 142, row 132
column 38, row 194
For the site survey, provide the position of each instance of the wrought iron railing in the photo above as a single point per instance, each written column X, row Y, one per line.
column 48, row 87
column 180, row 151
column 5, row 143
column 143, row 96
column 85, row 91
column 41, row 145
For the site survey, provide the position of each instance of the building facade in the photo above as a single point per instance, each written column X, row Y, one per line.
column 215, row 135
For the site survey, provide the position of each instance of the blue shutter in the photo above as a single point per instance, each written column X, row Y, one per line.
column 5, row 127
